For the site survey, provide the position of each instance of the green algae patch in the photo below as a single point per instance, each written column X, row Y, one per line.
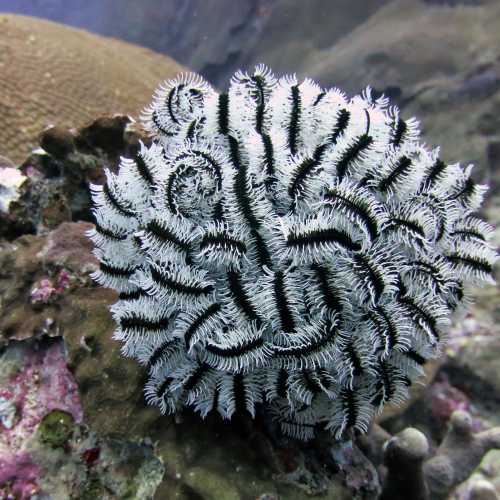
column 56, row 428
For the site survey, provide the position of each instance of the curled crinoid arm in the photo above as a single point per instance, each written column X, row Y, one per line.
column 285, row 246
column 176, row 103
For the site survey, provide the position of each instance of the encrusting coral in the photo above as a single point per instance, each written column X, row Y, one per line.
column 285, row 246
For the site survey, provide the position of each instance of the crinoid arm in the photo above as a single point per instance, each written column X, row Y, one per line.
column 285, row 246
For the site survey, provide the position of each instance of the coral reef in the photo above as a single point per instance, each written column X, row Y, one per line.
column 458, row 455
column 45, row 450
column 51, row 186
column 199, row 461
column 285, row 245
column 41, row 68
column 415, row 476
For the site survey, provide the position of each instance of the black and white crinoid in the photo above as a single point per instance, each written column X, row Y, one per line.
column 283, row 245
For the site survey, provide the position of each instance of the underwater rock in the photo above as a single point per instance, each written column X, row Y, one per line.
column 458, row 455
column 54, row 74
column 36, row 269
column 472, row 364
column 57, row 141
column 46, row 450
column 201, row 459
column 12, row 185
column 11, row 179
column 51, row 185
column 414, row 475
column 196, row 454
column 439, row 56
column 404, row 455
column 484, row 481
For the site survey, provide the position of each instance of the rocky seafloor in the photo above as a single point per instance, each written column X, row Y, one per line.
column 73, row 420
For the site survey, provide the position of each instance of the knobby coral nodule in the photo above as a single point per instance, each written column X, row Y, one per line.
column 283, row 245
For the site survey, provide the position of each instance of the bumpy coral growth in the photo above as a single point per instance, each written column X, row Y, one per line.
column 283, row 245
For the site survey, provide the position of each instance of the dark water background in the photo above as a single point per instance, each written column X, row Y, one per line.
column 212, row 37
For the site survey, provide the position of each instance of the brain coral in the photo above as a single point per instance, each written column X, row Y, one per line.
column 283, row 245
column 51, row 74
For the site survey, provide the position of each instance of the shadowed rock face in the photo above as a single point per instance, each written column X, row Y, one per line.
column 54, row 74
column 439, row 63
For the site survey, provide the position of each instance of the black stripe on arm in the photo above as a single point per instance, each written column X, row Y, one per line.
column 403, row 166
column 136, row 294
column 319, row 236
column 359, row 210
column 434, row 174
column 282, row 383
column 400, row 128
column 108, row 233
column 196, row 377
column 465, row 234
column 263, row 256
column 362, row 143
column 213, row 163
column 293, row 127
column 241, row 299
column 234, row 150
column 304, row 170
column 198, row 322
column 389, row 328
column 329, row 296
column 158, row 125
column 136, row 321
column 223, row 114
column 115, row 203
column 311, row 348
column 415, row 310
column 243, row 198
column 163, row 233
column 116, row 271
column 354, row 359
column 340, row 126
column 259, row 111
column 475, row 263
column 164, row 387
column 240, row 404
column 373, row 275
column 286, row 318
column 170, row 98
column 221, row 241
column 412, row 226
column 349, row 406
column 319, row 98
column 143, row 169
column 243, row 202
column 269, row 154
column 165, row 349
column 235, row 351
column 177, row 286
column 415, row 356
column 466, row 191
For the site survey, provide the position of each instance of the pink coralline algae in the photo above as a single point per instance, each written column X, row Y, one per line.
column 18, row 477
column 46, row 290
column 40, row 385
column 445, row 399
